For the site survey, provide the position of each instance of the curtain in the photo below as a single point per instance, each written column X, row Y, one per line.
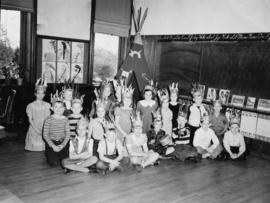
column 113, row 17
column 21, row 5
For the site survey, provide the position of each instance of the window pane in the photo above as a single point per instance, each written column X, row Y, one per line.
column 9, row 42
column 63, row 60
column 105, row 56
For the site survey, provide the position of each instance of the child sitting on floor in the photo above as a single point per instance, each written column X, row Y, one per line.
column 155, row 134
column 181, row 138
column 136, row 144
column 110, row 151
column 205, row 140
column 56, row 134
column 80, row 150
column 234, row 143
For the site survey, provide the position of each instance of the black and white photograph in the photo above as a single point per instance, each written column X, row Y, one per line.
column 238, row 100
column 264, row 104
column 211, row 94
column 133, row 101
column 224, row 95
column 250, row 102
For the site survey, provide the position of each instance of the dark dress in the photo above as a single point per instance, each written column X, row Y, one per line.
column 175, row 110
column 156, row 136
column 183, row 150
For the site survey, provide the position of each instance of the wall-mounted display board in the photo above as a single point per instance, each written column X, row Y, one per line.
column 241, row 67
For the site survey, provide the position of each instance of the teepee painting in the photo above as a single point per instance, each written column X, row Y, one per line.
column 135, row 61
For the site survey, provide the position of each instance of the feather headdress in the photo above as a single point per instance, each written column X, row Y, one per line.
column 163, row 94
column 56, row 97
column 173, row 88
column 195, row 87
column 41, row 85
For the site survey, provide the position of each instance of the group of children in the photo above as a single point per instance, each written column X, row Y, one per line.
column 118, row 133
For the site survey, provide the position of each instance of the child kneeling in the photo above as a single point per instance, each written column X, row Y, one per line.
column 110, row 152
column 80, row 150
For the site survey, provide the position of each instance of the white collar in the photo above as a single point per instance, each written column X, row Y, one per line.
column 148, row 103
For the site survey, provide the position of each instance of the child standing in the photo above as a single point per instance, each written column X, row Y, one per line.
column 76, row 115
column 107, row 97
column 166, row 113
column 37, row 112
column 145, row 107
column 234, row 142
column 219, row 121
column 123, row 115
column 205, row 140
column 174, row 105
column 80, row 150
column 110, row 151
column 67, row 100
column 97, row 127
column 56, row 134
column 196, row 112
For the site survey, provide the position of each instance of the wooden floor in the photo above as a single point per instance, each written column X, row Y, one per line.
column 25, row 177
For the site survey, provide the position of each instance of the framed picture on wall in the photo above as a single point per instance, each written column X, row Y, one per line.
column 49, row 50
column 49, row 71
column 62, row 60
column 238, row 100
column 224, row 95
column 264, row 104
column 211, row 94
column 77, row 73
column 202, row 88
column 251, row 102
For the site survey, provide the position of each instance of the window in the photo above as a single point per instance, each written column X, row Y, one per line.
column 106, row 50
column 9, row 40
column 64, row 60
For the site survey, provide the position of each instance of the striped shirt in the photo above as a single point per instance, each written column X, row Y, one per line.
column 56, row 129
column 73, row 124
column 183, row 135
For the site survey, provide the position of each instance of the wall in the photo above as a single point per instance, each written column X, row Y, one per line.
column 204, row 16
column 242, row 67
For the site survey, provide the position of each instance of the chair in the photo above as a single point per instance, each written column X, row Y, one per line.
column 7, row 116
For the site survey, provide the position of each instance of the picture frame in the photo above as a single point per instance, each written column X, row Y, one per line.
column 224, row 95
column 251, row 102
column 263, row 104
column 238, row 100
column 202, row 88
column 211, row 94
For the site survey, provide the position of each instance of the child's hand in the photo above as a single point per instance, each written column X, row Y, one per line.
column 152, row 141
column 233, row 156
column 56, row 148
column 174, row 136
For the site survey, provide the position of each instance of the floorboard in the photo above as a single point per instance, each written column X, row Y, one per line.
column 25, row 177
